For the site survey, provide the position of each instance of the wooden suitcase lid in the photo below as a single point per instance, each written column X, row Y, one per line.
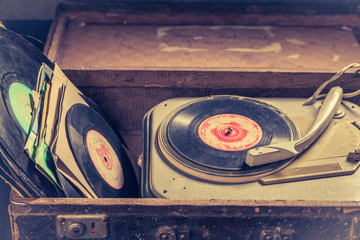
column 204, row 38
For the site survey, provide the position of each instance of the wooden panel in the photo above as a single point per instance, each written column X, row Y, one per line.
column 119, row 38
column 200, row 219
column 215, row 47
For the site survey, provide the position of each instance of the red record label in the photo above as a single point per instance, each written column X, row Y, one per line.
column 105, row 159
column 230, row 132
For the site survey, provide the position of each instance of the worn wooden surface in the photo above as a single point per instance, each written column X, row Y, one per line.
column 200, row 219
column 143, row 54
column 229, row 39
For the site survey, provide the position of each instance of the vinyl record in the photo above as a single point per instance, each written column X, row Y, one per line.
column 70, row 190
column 213, row 135
column 19, row 65
column 13, row 179
column 99, row 153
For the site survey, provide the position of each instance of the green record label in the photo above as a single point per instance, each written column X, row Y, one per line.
column 20, row 100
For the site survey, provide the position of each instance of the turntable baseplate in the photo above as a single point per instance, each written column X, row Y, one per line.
column 189, row 152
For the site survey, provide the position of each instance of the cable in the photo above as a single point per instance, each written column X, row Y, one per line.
column 316, row 96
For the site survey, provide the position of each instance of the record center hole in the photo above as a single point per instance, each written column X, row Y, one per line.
column 105, row 159
column 165, row 191
column 229, row 131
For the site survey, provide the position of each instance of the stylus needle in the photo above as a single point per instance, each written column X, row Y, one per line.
column 280, row 151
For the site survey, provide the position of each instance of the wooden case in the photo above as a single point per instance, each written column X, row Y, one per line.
column 130, row 57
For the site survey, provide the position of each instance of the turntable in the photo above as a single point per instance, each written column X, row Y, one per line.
column 233, row 147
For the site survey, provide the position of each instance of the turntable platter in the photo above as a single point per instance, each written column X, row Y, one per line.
column 209, row 138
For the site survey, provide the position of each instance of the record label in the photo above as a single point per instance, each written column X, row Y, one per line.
column 105, row 159
column 99, row 153
column 20, row 101
column 212, row 135
column 20, row 62
column 230, row 132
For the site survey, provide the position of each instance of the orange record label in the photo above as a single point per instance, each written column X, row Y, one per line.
column 230, row 132
column 105, row 159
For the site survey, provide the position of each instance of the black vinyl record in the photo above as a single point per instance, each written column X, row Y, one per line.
column 14, row 180
column 213, row 135
column 70, row 190
column 99, row 153
column 19, row 66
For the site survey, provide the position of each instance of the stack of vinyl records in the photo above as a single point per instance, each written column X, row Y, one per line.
column 54, row 141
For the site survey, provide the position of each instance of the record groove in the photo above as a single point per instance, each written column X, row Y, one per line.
column 180, row 135
column 20, row 62
column 99, row 153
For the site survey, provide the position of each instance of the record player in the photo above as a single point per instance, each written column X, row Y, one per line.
column 233, row 147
